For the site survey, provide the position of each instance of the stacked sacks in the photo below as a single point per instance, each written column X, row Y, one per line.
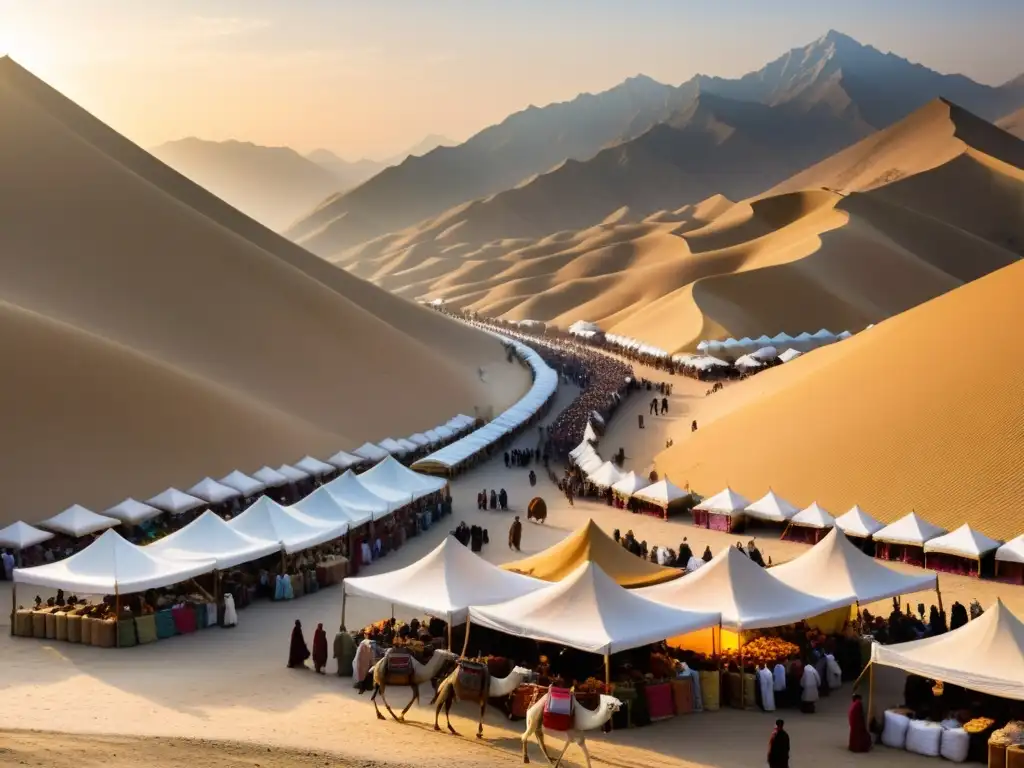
column 924, row 738
column 894, row 729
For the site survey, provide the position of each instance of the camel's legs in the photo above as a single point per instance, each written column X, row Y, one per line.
column 442, row 698
column 568, row 741
column 539, row 733
column 586, row 752
column 525, row 738
column 483, row 711
column 373, row 700
column 415, row 698
column 386, row 705
column 447, row 714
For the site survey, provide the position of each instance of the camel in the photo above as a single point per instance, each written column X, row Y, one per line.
column 414, row 674
column 583, row 720
column 487, row 687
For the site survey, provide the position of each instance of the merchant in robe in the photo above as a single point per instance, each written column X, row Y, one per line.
column 298, row 651
column 319, row 649
column 515, row 534
column 860, row 738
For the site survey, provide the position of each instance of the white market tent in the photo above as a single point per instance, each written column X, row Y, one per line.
column 313, row 467
column 588, row 611
column 243, row 483
column 76, row 520
column 1011, row 552
column 986, row 655
column 605, row 476
column 446, row 432
column 174, row 501
column 407, row 445
column 269, row 521
column 371, row 452
column 271, row 477
column 748, row 362
column 909, row 530
column 111, row 564
column 629, row 484
column 782, row 339
column 963, row 542
column 21, row 535
column 460, row 422
column 545, row 382
column 725, row 502
column 835, row 569
column 419, row 439
column 352, row 495
column 824, row 335
column 748, row 596
column 208, row 537
column 767, row 352
column 391, row 446
column 211, row 491
column 444, row 583
column 433, row 436
column 324, row 506
column 790, row 354
column 772, row 508
column 132, row 512
column 813, row 517
column 662, row 493
column 294, row 474
column 857, row 522
column 390, row 474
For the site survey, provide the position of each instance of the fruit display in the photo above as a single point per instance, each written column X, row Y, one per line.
column 590, row 685
column 762, row 650
column 979, row 724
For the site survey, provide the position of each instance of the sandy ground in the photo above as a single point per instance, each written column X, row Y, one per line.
column 233, row 684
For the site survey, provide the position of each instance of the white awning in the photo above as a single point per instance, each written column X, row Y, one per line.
column 909, row 529
column 813, row 517
column 390, row 475
column 245, row 485
column 726, row 502
column 294, row 474
column 313, row 467
column 208, row 537
column 111, row 564
column 605, row 476
column 772, row 508
column 353, row 495
column 444, row 583
column 590, row 612
column 857, row 522
column 629, row 484
column 21, row 535
column 1012, row 551
column 963, row 542
column 132, row 512
column 344, row 461
column 371, row 452
column 790, row 354
column 76, row 520
column 322, row 505
column 210, row 490
column 269, row 521
column 271, row 477
column 174, row 501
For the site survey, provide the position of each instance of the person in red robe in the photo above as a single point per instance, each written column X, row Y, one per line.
column 860, row 738
column 319, row 649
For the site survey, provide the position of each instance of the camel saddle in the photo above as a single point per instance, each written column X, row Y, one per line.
column 399, row 670
column 558, row 710
column 471, row 682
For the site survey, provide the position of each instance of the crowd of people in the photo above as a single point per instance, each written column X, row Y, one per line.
column 683, row 557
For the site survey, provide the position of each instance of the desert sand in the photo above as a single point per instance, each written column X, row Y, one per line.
column 161, row 336
column 1013, row 123
column 902, row 216
column 233, row 684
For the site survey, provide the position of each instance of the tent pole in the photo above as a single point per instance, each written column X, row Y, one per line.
column 343, row 606
column 784, row 531
column 743, row 679
column 449, row 633
column 938, row 593
column 607, row 674
column 871, row 690
column 979, row 567
column 117, row 616
column 392, row 611
column 14, row 604
column 465, row 643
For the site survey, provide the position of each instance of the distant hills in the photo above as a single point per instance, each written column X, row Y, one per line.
column 1014, row 123
column 842, row 87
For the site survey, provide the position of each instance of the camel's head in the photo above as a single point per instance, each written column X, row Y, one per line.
column 528, row 675
column 610, row 704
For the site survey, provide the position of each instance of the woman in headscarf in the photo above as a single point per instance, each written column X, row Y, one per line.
column 319, row 649
column 707, row 556
column 298, row 651
column 860, row 738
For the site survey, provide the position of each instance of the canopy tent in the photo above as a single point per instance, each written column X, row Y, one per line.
column 433, row 436
column 591, row 543
column 722, row 512
column 353, row 495
column 243, row 483
column 545, row 382
column 392, row 474
column 582, row 449
column 605, row 476
column 444, row 583
column 589, row 435
column 112, row 565
column 76, row 520
column 313, row 467
column 294, row 474
column 835, row 569
column 460, row 422
column 21, row 535
column 390, row 446
column 747, row 362
column 858, row 523
column 132, row 512
column 1009, row 560
column 174, row 501
column 446, row 432
column 582, row 326
column 961, row 551
column 824, row 336
column 766, row 352
column 208, row 537
column 269, row 521
column 589, row 611
column 418, row 439
column 986, row 655
column 407, row 445
column 324, row 506
column 629, row 484
column 904, row 540
column 213, row 492
column 790, row 354
column 771, row 508
column 843, row 335
column 271, row 478
column 809, row 525
column 748, row 596
column 661, row 494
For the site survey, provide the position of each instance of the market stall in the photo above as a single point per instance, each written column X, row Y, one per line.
column 662, row 497
column 623, row 490
column 605, row 476
column 771, row 508
column 391, row 475
column 19, row 536
column 207, row 538
column 109, row 566
column 266, row 520
column 1010, row 561
column 76, row 520
column 249, row 487
column 809, row 525
column 860, row 528
column 214, row 493
column 132, row 512
column 278, row 486
column 320, row 470
column 342, row 460
column 299, row 482
column 963, row 551
column 590, row 543
column 722, row 512
column 904, row 540
column 175, row 502
column 355, row 497
column 443, row 584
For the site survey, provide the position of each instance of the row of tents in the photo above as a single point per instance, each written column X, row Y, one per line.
column 802, row 342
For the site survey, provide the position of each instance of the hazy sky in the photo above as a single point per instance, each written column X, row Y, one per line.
column 371, row 77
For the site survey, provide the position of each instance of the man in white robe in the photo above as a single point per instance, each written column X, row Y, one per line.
column 810, row 681
column 833, row 672
column 779, row 685
column 765, row 681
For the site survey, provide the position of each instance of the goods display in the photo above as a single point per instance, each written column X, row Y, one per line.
column 894, row 730
column 979, row 724
column 924, row 738
column 955, row 745
column 1015, row 756
column 710, row 688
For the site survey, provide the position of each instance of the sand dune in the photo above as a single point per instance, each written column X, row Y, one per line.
column 902, row 216
column 883, row 420
column 1013, row 123
column 153, row 294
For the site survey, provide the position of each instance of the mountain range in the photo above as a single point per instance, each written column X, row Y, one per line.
column 845, row 88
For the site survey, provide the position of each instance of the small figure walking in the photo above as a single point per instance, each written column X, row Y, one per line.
column 778, row 747
column 515, row 534
column 298, row 651
column 319, row 649
column 641, row 418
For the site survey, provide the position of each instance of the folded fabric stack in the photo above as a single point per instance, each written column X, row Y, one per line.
column 126, row 637
column 710, row 689
column 62, row 626
column 659, row 701
column 165, row 624
column 682, row 695
column 145, row 628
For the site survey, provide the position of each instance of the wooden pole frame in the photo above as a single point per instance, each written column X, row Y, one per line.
column 343, row 594
column 14, row 604
column 607, row 674
column 117, row 616
column 871, row 690
column 465, row 643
